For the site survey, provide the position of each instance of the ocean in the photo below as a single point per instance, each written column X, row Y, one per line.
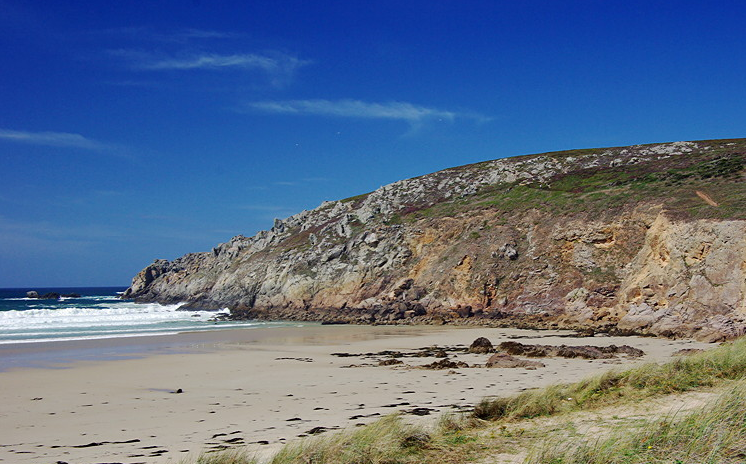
column 99, row 313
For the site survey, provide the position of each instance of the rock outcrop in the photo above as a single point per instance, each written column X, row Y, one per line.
column 50, row 295
column 507, row 361
column 620, row 240
column 565, row 351
column 481, row 345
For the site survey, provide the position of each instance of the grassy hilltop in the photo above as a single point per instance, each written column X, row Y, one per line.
column 715, row 169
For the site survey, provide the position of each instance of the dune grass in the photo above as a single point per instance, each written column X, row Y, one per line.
column 232, row 456
column 726, row 362
column 386, row 441
column 713, row 435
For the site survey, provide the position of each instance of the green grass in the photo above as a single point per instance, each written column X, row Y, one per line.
column 356, row 199
column 713, row 435
column 386, row 441
column 395, row 219
column 232, row 456
column 717, row 169
column 727, row 362
column 670, row 182
column 605, row 274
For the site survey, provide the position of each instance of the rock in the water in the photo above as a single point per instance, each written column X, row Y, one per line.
column 506, row 360
column 481, row 346
column 47, row 296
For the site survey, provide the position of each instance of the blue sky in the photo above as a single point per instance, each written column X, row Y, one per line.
column 131, row 131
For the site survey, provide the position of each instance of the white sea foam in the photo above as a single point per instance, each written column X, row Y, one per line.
column 97, row 298
column 103, row 318
column 89, row 337
column 135, row 331
column 99, row 315
column 36, row 337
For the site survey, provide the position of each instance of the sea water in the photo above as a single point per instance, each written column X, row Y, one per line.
column 98, row 313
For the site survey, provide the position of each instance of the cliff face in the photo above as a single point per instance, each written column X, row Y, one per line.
column 644, row 239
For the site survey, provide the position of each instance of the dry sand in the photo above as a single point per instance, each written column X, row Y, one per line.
column 249, row 387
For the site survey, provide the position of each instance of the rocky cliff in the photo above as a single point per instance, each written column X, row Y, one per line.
column 641, row 239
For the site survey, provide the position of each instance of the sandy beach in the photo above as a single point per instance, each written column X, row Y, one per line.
column 116, row 400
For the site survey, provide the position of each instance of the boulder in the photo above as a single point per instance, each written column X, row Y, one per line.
column 32, row 294
column 481, row 346
column 508, row 361
column 463, row 311
column 508, row 251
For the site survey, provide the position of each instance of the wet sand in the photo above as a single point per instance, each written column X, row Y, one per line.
column 115, row 400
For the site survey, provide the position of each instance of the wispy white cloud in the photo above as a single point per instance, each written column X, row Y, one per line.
column 215, row 61
column 402, row 111
column 133, row 83
column 66, row 140
column 205, row 34
column 53, row 139
column 278, row 66
column 179, row 36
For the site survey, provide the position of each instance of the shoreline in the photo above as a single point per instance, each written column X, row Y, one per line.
column 50, row 353
column 252, row 386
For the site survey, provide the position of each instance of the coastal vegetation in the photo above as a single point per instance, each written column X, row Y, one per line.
column 706, row 369
column 602, row 188
column 715, row 434
column 630, row 423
